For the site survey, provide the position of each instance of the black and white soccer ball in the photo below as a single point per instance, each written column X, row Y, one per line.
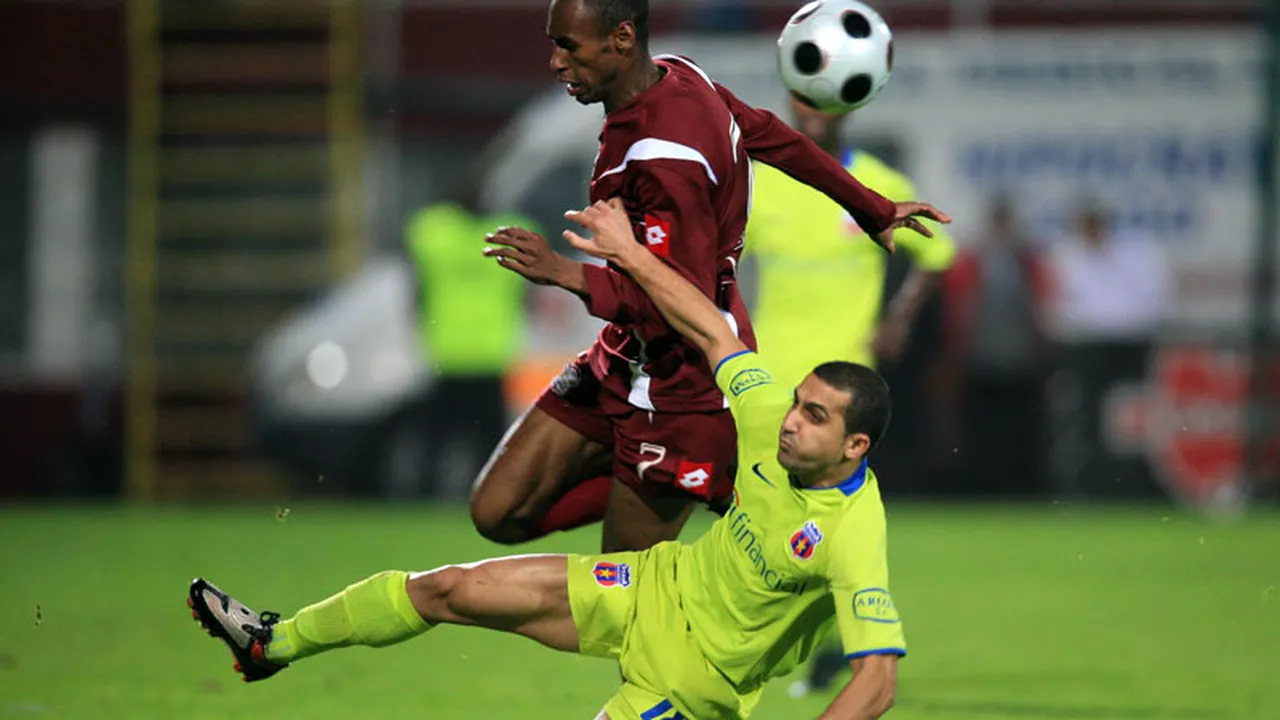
column 835, row 55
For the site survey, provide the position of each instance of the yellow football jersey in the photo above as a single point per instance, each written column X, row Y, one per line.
column 821, row 278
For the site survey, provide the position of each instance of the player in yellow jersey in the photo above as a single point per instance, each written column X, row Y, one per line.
column 696, row 629
column 820, row 283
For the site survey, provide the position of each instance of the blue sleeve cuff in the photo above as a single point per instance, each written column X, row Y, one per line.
column 726, row 359
column 900, row 652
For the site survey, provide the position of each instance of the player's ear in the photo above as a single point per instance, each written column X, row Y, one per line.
column 856, row 446
column 624, row 37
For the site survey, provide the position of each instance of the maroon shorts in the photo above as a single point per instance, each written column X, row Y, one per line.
column 692, row 452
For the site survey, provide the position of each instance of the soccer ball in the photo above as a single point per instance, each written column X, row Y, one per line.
column 835, row 55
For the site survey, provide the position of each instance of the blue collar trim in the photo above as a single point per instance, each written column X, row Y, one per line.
column 847, row 158
column 851, row 484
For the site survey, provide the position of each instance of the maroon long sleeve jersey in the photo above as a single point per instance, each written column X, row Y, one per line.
column 678, row 156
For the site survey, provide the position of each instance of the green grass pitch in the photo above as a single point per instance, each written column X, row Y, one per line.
column 1119, row 614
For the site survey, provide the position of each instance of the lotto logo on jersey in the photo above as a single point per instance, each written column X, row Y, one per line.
column 657, row 235
column 805, row 541
column 694, row 476
column 612, row 574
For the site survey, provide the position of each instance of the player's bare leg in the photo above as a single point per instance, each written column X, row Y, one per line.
column 537, row 462
column 636, row 520
column 527, row 595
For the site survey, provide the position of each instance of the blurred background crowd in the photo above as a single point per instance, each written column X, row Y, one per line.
column 240, row 242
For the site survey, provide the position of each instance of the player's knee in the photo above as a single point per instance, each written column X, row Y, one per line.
column 460, row 590
column 450, row 593
column 498, row 522
column 431, row 592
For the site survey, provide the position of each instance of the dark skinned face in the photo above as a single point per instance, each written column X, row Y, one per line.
column 583, row 58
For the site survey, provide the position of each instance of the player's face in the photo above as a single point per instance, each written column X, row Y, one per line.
column 820, row 127
column 586, row 61
column 813, row 435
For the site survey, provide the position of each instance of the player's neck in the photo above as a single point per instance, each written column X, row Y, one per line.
column 641, row 76
column 827, row 477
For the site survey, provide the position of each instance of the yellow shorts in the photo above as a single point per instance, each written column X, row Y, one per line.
column 626, row 607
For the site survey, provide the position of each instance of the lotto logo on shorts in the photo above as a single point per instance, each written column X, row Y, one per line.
column 694, row 476
column 612, row 574
column 805, row 541
column 657, row 236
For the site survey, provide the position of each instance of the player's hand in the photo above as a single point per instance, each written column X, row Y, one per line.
column 529, row 254
column 612, row 237
column 907, row 215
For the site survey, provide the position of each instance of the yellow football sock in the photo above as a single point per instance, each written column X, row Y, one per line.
column 376, row 612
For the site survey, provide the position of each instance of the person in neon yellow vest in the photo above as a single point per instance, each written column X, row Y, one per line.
column 820, row 283
column 471, row 323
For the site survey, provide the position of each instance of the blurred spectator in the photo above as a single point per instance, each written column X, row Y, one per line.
column 996, row 356
column 471, row 321
column 1109, row 288
column 1112, row 293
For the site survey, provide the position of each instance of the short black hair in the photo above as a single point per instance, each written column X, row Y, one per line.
column 870, row 405
column 612, row 13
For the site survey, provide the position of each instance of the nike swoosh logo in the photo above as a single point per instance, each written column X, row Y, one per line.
column 756, row 469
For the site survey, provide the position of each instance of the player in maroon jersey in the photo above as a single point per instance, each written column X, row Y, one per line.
column 636, row 431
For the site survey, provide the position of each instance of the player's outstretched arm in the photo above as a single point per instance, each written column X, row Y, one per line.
column 771, row 141
column 870, row 693
column 686, row 308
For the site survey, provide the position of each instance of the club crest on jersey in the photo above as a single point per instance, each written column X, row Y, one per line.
column 612, row 574
column 805, row 541
column 657, row 236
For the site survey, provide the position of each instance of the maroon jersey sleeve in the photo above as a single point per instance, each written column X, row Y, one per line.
column 670, row 203
column 772, row 141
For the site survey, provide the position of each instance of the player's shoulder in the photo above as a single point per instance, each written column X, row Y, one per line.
column 877, row 174
column 859, row 160
column 686, row 92
column 862, row 511
column 687, row 73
